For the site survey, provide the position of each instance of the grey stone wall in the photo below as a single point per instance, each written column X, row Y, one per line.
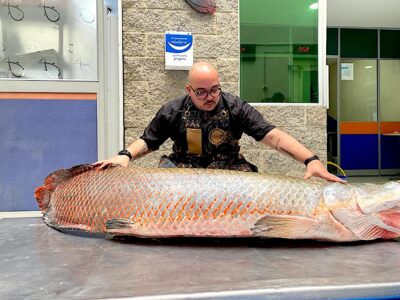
column 306, row 123
column 147, row 85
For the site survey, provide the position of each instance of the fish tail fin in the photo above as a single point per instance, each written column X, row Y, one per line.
column 43, row 193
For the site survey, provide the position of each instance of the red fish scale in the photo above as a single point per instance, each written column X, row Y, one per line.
column 159, row 201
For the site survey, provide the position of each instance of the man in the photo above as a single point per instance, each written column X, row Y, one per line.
column 206, row 125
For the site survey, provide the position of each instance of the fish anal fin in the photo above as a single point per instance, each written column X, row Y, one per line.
column 286, row 226
column 120, row 227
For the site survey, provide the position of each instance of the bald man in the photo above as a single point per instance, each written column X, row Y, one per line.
column 206, row 125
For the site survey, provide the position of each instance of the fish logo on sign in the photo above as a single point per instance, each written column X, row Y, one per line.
column 178, row 43
column 178, row 50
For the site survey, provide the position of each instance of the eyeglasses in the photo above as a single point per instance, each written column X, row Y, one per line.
column 203, row 94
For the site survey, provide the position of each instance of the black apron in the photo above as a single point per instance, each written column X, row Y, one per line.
column 205, row 140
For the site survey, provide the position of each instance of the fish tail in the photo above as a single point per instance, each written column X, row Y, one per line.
column 42, row 196
column 43, row 193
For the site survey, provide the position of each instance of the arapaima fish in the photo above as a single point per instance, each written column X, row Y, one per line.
column 158, row 202
column 203, row 6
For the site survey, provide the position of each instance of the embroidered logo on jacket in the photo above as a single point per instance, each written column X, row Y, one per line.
column 217, row 136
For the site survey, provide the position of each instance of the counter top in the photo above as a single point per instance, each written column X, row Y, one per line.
column 38, row 262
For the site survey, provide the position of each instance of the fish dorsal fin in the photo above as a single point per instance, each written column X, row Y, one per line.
column 43, row 193
column 285, row 226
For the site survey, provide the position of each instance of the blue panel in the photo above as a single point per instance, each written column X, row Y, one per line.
column 359, row 151
column 38, row 137
column 390, row 152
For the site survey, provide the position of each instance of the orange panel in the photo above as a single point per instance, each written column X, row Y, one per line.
column 48, row 96
column 390, row 127
column 358, row 128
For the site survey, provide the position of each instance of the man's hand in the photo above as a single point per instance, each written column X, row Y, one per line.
column 117, row 160
column 317, row 169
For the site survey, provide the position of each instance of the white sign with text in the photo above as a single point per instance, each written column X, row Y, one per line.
column 178, row 50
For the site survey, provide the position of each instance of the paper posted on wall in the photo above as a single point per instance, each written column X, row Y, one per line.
column 347, row 71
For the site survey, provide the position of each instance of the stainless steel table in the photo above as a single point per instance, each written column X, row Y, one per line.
column 37, row 262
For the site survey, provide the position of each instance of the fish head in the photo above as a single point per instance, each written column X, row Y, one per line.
column 369, row 211
column 380, row 198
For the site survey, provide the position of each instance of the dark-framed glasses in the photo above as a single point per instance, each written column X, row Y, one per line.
column 203, row 94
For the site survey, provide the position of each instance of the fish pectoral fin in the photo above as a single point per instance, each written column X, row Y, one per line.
column 366, row 227
column 285, row 226
column 119, row 225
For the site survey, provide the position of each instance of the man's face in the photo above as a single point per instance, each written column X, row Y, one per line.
column 205, row 91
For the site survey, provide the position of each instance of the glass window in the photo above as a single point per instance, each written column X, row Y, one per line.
column 390, row 114
column 279, row 51
column 359, row 43
column 46, row 40
column 358, row 90
column 332, row 41
column 390, row 43
column 390, row 90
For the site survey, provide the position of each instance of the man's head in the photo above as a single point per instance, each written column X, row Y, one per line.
column 204, row 87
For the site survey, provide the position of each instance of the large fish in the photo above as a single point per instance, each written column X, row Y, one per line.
column 216, row 203
column 203, row 6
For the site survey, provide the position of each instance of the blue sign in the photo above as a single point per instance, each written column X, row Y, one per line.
column 178, row 50
column 178, row 43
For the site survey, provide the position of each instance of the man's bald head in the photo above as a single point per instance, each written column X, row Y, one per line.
column 201, row 71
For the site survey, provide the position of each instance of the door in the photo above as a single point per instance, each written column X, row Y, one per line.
column 389, row 75
column 358, row 106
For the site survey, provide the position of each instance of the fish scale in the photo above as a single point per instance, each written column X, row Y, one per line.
column 158, row 202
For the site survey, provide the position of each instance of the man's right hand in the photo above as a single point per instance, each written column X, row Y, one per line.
column 117, row 160
column 137, row 149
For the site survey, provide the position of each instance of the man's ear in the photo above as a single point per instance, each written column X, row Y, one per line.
column 188, row 89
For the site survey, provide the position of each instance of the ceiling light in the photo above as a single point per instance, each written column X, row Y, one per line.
column 314, row 5
column 368, row 67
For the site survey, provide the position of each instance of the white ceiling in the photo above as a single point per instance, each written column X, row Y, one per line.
column 364, row 13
